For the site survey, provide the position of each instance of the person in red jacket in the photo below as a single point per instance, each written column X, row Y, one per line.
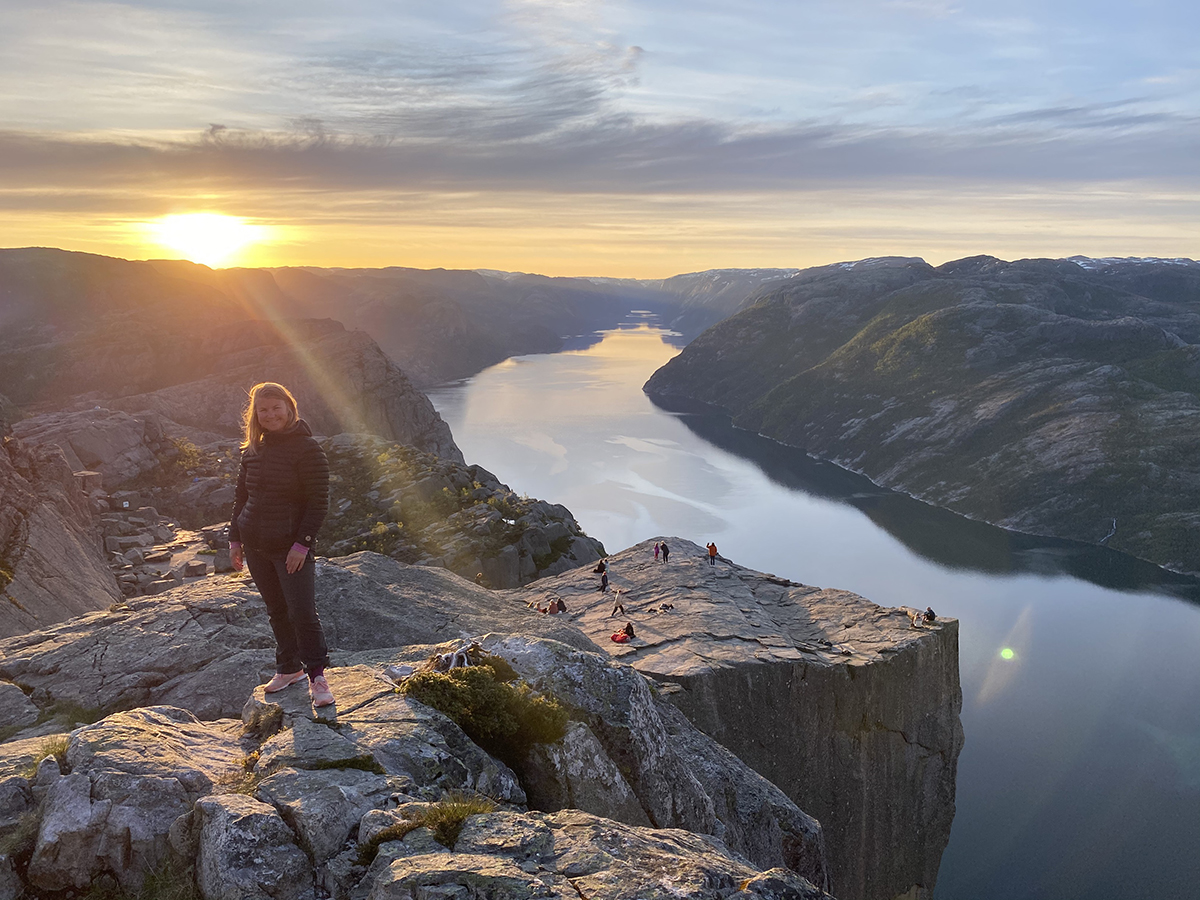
column 282, row 498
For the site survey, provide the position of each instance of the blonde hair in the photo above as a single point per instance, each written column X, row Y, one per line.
column 268, row 390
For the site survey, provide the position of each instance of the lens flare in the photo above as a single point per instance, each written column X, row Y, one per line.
column 209, row 238
column 1007, row 653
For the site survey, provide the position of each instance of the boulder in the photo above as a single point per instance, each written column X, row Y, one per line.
column 247, row 852
column 132, row 776
column 209, row 498
column 16, row 710
column 578, row 773
column 322, row 807
column 383, row 731
column 15, row 800
column 680, row 777
column 110, row 442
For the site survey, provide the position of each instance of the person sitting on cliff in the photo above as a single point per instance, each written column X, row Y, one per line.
column 560, row 606
column 601, row 567
column 929, row 616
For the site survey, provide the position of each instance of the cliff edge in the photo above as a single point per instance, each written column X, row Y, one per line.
column 847, row 706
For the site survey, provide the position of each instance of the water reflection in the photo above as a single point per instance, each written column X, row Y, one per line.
column 1080, row 778
column 938, row 535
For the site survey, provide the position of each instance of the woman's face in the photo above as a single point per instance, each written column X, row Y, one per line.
column 273, row 413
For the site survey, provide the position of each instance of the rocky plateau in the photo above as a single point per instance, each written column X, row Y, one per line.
column 875, row 712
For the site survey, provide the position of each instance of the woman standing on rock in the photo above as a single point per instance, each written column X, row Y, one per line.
column 281, row 501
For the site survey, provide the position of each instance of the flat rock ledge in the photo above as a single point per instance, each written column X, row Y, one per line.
column 847, row 706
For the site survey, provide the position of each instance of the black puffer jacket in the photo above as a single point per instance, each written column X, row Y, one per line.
column 282, row 491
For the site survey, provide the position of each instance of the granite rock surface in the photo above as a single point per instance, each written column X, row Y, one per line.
column 734, row 675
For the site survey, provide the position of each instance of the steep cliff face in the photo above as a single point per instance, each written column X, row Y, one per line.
column 1055, row 397
column 870, row 749
column 847, row 706
column 52, row 565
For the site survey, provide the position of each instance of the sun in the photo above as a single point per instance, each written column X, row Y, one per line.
column 209, row 238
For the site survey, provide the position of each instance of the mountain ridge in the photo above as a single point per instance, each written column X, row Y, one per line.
column 1038, row 395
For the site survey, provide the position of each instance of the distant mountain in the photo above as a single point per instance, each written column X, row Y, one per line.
column 1048, row 396
column 437, row 324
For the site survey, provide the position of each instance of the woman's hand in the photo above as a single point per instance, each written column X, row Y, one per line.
column 295, row 559
column 235, row 557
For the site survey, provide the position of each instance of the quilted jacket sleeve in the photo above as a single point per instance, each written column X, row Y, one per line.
column 314, row 484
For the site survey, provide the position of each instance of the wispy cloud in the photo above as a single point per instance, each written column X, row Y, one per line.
column 153, row 103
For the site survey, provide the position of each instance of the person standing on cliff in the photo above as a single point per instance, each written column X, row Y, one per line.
column 666, row 551
column 656, row 549
column 712, row 553
column 281, row 500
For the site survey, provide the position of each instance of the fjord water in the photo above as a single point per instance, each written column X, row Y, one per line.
column 1080, row 667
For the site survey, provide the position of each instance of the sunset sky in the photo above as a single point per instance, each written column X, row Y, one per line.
column 636, row 138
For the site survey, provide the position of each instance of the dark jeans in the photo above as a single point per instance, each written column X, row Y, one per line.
column 292, row 605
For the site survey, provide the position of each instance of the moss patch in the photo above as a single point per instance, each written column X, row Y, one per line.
column 505, row 719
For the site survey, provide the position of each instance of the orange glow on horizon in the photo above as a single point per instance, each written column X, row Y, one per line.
column 211, row 239
column 621, row 236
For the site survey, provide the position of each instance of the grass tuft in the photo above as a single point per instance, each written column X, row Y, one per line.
column 18, row 844
column 55, row 745
column 444, row 819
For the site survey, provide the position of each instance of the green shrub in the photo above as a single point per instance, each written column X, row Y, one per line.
column 500, row 668
column 504, row 719
column 190, row 456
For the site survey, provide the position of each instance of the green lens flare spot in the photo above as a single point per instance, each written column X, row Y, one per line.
column 1007, row 653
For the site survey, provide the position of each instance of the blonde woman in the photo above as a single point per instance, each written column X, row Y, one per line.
column 281, row 501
